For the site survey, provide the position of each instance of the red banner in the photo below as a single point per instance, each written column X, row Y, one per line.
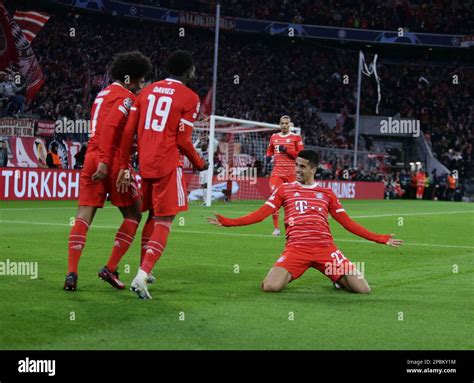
column 354, row 189
column 53, row 184
column 26, row 152
column 259, row 188
column 45, row 128
column 31, row 152
column 38, row 184
column 23, row 127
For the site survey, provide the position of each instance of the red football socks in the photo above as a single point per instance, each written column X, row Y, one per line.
column 275, row 219
column 123, row 240
column 77, row 241
column 156, row 245
column 146, row 234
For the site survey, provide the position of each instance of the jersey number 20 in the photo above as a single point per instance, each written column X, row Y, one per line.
column 157, row 112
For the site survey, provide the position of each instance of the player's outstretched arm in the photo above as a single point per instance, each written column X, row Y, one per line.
column 249, row 219
column 352, row 226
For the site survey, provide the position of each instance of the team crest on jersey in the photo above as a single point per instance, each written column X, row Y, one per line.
column 319, row 195
column 296, row 194
column 288, row 140
column 127, row 103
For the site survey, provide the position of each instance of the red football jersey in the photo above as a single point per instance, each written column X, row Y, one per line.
column 109, row 116
column 284, row 162
column 306, row 213
column 306, row 216
column 163, row 116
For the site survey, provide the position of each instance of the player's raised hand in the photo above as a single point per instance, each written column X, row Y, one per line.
column 100, row 173
column 394, row 242
column 123, row 180
column 214, row 221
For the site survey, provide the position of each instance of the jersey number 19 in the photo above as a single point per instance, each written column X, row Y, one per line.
column 157, row 112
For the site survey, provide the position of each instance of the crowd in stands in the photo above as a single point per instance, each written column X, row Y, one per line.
column 429, row 16
column 12, row 93
column 260, row 78
column 421, row 185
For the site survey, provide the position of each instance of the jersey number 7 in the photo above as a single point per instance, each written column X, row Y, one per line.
column 97, row 103
column 157, row 112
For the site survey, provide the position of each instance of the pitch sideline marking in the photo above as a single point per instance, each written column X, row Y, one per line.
column 237, row 234
column 246, row 212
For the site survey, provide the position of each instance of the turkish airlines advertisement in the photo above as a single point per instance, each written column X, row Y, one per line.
column 63, row 184
column 258, row 188
column 38, row 184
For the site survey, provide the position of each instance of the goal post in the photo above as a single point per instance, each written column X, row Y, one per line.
column 239, row 148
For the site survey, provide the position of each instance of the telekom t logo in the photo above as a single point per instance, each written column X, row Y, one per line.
column 301, row 206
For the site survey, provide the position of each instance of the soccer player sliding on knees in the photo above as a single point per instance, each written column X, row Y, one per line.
column 309, row 239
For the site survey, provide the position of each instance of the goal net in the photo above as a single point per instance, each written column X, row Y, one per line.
column 237, row 166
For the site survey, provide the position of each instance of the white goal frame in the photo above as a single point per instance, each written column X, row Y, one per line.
column 212, row 133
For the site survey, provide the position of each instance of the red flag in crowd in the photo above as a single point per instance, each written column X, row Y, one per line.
column 18, row 55
column 30, row 22
column 8, row 54
column 206, row 104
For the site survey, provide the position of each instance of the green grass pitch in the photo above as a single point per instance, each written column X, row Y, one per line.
column 201, row 302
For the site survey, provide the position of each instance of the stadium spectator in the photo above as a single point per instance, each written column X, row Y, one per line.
column 80, row 157
column 11, row 94
column 20, row 96
column 451, row 186
column 52, row 159
column 3, row 154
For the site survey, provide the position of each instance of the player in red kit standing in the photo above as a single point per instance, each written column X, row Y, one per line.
column 309, row 241
column 109, row 115
column 163, row 116
column 284, row 147
column 420, row 184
